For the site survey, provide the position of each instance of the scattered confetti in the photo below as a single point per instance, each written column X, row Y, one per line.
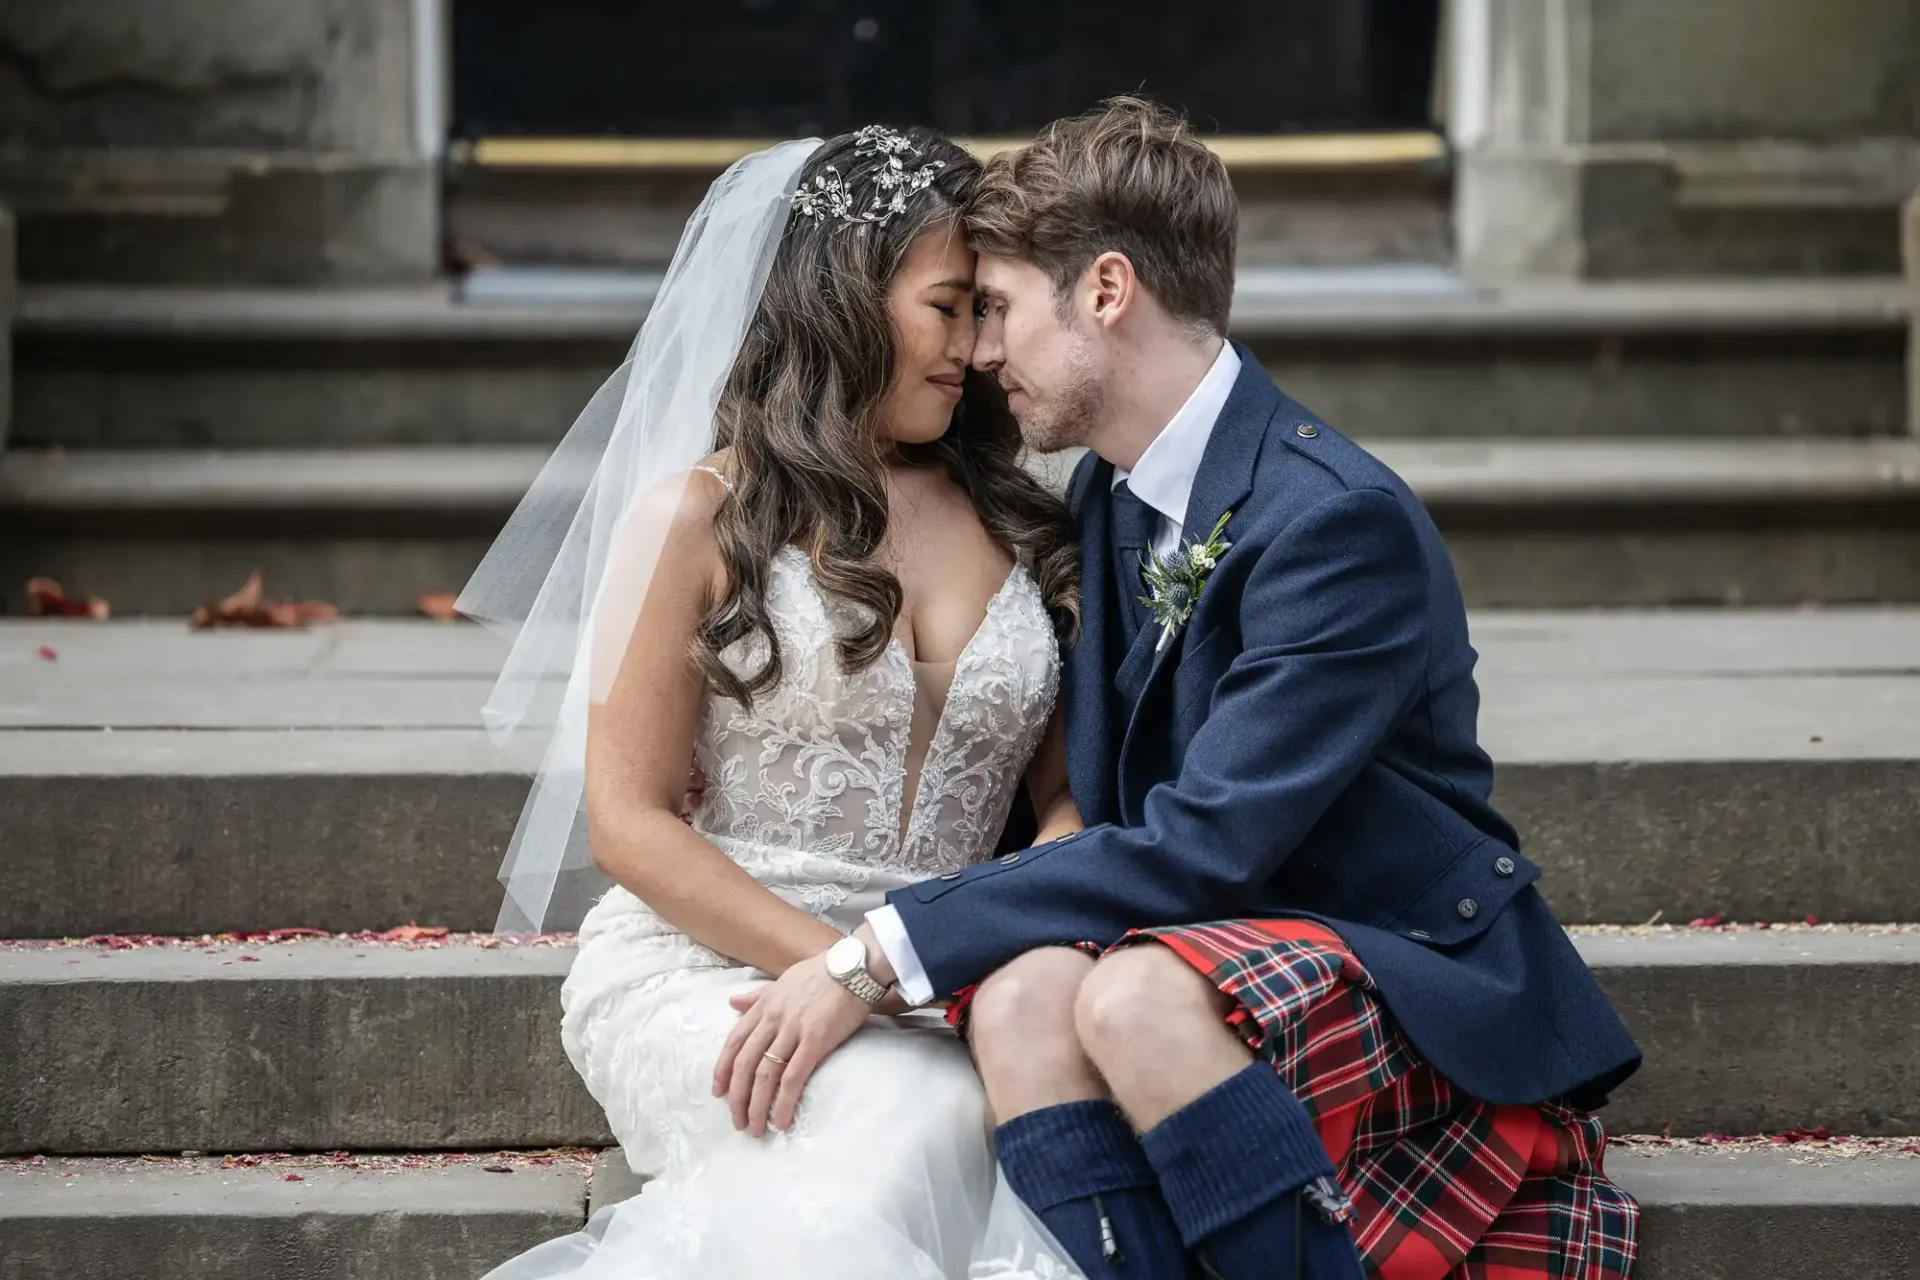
column 248, row 607
column 1722, row 926
column 47, row 599
column 412, row 931
column 1815, row 1145
column 407, row 937
column 292, row 1167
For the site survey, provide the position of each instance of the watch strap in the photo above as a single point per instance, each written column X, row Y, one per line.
column 864, row 985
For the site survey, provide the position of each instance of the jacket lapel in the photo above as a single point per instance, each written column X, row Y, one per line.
column 1225, row 478
column 1088, row 694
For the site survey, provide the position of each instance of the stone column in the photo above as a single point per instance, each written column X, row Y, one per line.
column 1643, row 138
column 7, row 293
column 1910, row 244
column 222, row 141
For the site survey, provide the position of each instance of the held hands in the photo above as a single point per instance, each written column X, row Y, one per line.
column 786, row 1030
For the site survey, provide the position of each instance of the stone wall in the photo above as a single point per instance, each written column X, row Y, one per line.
column 1643, row 138
column 216, row 140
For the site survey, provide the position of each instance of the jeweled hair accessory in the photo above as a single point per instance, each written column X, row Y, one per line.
column 828, row 195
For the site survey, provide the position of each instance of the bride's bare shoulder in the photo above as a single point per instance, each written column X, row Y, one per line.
column 670, row 525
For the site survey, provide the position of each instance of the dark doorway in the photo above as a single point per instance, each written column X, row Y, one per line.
column 771, row 68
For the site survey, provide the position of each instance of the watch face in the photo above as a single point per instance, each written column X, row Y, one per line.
column 846, row 957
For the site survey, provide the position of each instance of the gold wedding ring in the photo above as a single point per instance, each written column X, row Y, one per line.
column 771, row 1056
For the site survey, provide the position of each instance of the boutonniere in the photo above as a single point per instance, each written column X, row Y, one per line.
column 1174, row 581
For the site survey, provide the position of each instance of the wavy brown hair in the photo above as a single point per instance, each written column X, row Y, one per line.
column 800, row 415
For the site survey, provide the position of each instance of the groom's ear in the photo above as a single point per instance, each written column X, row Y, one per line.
column 1110, row 288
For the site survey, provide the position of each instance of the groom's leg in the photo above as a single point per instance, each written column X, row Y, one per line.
column 1064, row 1147
column 1239, row 1163
column 1020, row 1025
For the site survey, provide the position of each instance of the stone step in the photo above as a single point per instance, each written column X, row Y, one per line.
column 1756, row 765
column 1707, row 1214
column 1399, row 351
column 1543, row 524
column 195, row 1220
column 333, row 1044
column 1326, row 200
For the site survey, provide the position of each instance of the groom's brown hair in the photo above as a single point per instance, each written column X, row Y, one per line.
column 1129, row 176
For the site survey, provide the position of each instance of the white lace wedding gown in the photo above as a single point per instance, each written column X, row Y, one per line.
column 888, row 1172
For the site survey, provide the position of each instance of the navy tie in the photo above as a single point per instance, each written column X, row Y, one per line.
column 1133, row 522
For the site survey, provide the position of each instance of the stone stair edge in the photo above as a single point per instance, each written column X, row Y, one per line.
column 1706, row 1214
column 480, row 955
column 434, row 312
column 1445, row 473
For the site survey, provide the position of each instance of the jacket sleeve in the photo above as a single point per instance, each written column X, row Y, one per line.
column 1334, row 625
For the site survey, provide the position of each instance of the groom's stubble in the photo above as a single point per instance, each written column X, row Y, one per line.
column 1070, row 415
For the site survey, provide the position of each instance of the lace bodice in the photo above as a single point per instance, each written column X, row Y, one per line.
column 806, row 788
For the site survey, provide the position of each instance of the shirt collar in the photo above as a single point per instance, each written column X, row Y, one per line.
column 1163, row 477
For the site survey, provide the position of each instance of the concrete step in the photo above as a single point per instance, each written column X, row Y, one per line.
column 1399, row 351
column 1543, row 524
column 197, row 1220
column 1387, row 199
column 330, row 1044
column 1707, row 1214
column 1756, row 765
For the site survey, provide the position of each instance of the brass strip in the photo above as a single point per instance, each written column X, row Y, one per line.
column 1300, row 151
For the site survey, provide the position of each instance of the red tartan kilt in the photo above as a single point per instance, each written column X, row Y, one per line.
column 1444, row 1186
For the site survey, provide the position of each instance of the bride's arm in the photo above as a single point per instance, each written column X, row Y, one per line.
column 640, row 738
column 1047, row 784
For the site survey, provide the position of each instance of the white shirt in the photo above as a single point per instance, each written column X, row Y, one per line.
column 1163, row 479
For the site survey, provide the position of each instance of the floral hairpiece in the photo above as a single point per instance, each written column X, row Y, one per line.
column 828, row 195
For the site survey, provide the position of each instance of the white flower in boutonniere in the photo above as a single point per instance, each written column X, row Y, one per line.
column 1174, row 581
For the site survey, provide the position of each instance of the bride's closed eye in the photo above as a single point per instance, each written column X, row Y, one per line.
column 951, row 313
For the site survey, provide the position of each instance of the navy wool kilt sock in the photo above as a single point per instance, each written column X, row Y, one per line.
column 1250, row 1186
column 1080, row 1168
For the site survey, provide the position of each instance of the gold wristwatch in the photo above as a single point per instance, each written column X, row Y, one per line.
column 847, row 965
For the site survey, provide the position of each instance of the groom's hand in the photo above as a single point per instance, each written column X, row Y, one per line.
column 802, row 1017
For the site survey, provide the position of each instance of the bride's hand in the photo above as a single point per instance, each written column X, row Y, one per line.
column 801, row 1018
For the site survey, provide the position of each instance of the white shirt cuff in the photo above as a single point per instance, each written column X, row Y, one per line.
column 891, row 934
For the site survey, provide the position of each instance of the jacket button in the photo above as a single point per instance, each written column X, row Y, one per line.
column 1503, row 867
column 1009, row 859
column 1306, row 431
column 1467, row 908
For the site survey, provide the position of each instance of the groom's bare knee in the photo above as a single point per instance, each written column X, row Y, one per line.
column 1021, row 1028
column 1156, row 1030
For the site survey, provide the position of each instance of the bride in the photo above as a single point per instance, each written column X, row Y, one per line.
column 791, row 540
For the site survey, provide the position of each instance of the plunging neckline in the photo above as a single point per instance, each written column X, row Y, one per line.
column 908, row 817
column 907, row 814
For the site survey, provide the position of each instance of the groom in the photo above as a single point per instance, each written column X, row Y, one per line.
column 1343, row 955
